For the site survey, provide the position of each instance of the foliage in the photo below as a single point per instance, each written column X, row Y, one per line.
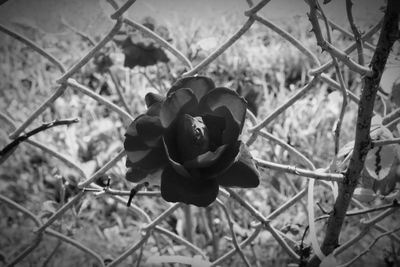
column 44, row 176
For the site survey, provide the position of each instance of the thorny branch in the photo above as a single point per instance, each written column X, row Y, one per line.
column 347, row 181
column 388, row 35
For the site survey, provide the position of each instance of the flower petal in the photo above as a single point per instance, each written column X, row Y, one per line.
column 134, row 143
column 223, row 162
column 132, row 127
column 149, row 129
column 151, row 159
column 176, row 165
column 243, row 173
column 152, row 98
column 135, row 175
column 154, row 110
column 215, row 126
column 177, row 188
column 224, row 97
column 232, row 129
column 205, row 159
column 180, row 101
column 200, row 85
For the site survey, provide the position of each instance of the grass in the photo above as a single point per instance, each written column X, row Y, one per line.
column 260, row 59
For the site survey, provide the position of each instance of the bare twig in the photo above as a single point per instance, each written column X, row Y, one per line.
column 45, row 126
column 337, row 177
column 59, row 91
column 388, row 35
column 347, row 50
column 356, row 32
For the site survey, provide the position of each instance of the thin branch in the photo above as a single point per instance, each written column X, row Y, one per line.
column 356, row 32
column 326, row 46
column 59, row 91
column 394, row 115
column 388, row 35
column 348, row 49
column 337, row 177
column 378, row 143
column 335, row 26
column 114, row 192
column 45, row 126
column 133, row 208
column 343, row 88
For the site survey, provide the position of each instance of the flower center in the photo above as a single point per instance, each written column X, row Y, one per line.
column 192, row 137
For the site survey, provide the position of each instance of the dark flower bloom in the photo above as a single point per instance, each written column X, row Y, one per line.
column 141, row 50
column 193, row 136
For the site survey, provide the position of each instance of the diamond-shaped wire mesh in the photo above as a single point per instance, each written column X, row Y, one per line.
column 151, row 225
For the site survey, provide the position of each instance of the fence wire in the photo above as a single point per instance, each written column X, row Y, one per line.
column 318, row 73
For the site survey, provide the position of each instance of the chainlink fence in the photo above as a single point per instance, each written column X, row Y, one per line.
column 319, row 74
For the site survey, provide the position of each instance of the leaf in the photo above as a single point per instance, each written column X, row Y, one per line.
column 194, row 262
column 364, row 194
column 345, row 150
column 376, row 120
column 329, row 261
column 48, row 208
column 379, row 161
column 393, row 196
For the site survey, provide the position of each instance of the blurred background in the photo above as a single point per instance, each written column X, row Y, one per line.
column 261, row 66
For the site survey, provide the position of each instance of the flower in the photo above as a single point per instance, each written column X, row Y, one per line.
column 141, row 50
column 192, row 135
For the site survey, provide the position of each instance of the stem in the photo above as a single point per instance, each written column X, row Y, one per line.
column 388, row 35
